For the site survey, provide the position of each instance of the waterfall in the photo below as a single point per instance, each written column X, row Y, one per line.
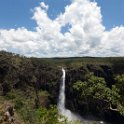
column 66, row 112
column 61, row 104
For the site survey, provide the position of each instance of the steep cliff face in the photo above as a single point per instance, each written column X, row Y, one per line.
column 47, row 79
column 104, row 71
column 73, row 75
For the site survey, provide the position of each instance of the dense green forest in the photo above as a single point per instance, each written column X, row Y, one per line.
column 94, row 86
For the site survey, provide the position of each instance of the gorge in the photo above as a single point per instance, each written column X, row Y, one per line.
column 89, row 86
column 72, row 117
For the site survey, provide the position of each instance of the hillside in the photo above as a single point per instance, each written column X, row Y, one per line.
column 34, row 83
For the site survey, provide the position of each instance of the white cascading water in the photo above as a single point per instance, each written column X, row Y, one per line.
column 61, row 105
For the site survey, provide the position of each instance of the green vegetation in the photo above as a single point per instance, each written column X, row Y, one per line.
column 120, row 85
column 31, row 85
column 94, row 91
column 29, row 113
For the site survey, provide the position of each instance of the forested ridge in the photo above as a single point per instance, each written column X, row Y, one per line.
column 95, row 86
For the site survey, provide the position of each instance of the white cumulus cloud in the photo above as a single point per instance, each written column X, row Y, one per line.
column 86, row 35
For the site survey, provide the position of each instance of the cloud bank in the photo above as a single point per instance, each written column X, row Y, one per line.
column 85, row 36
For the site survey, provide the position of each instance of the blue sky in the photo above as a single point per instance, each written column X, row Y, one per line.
column 62, row 28
column 112, row 11
column 17, row 13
